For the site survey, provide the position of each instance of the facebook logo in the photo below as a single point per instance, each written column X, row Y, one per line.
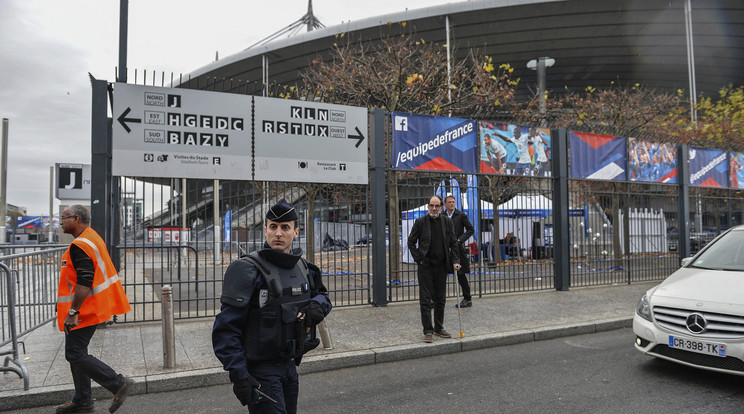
column 401, row 123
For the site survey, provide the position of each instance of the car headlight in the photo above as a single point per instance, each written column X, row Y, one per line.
column 642, row 308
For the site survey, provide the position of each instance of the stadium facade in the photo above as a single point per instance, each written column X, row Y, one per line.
column 593, row 42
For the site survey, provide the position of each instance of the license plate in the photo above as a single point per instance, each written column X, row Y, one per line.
column 701, row 347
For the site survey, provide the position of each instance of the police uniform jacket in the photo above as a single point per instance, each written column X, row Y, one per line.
column 228, row 330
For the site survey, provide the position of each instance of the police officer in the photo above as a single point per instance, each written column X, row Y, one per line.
column 271, row 302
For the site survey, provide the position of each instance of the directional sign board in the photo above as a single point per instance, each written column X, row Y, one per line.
column 316, row 142
column 73, row 181
column 180, row 133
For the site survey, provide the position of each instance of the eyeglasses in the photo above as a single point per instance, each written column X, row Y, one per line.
column 66, row 217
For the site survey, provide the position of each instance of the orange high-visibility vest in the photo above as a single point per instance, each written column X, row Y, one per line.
column 106, row 298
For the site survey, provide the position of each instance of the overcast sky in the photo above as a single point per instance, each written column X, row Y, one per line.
column 47, row 48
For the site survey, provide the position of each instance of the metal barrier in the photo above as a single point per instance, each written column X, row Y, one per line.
column 28, row 294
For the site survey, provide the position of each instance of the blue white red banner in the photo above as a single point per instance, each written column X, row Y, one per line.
column 422, row 142
column 652, row 161
column 597, row 157
column 708, row 168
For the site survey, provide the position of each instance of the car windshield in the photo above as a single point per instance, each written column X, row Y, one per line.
column 727, row 253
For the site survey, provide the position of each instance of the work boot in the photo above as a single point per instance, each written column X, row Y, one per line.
column 428, row 338
column 72, row 407
column 466, row 303
column 121, row 395
column 443, row 334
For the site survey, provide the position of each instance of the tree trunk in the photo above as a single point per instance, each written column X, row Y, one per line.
column 495, row 240
column 616, row 225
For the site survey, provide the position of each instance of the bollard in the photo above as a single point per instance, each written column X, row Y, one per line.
column 169, row 331
column 325, row 335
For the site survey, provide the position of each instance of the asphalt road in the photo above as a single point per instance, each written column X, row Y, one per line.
column 597, row 373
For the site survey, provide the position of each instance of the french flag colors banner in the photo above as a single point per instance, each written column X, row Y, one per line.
column 422, row 142
column 736, row 165
column 708, row 168
column 651, row 161
column 597, row 157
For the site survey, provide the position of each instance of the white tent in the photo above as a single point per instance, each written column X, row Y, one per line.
column 515, row 215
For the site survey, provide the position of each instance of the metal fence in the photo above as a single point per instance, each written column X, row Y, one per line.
column 186, row 232
column 28, row 297
column 171, row 234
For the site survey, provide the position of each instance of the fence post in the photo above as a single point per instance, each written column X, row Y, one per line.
column 377, row 186
column 683, row 201
column 100, row 192
column 325, row 335
column 561, row 241
column 169, row 339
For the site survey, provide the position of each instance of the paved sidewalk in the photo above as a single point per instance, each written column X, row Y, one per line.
column 361, row 335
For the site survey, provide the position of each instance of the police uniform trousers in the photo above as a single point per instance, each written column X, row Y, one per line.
column 278, row 380
column 432, row 294
column 85, row 367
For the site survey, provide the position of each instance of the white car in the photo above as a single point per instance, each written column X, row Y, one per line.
column 696, row 316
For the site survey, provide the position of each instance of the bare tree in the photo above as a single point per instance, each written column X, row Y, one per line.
column 402, row 72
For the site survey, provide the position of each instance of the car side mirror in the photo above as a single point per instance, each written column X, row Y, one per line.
column 686, row 261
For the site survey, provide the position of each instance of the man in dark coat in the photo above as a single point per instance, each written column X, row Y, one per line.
column 433, row 246
column 463, row 230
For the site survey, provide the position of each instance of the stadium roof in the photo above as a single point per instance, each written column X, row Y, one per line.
column 593, row 42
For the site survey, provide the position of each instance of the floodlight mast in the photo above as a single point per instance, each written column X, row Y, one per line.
column 308, row 20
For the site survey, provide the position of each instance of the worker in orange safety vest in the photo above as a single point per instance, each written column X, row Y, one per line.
column 89, row 294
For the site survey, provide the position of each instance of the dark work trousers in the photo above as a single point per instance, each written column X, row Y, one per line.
column 432, row 294
column 462, row 274
column 85, row 367
column 278, row 380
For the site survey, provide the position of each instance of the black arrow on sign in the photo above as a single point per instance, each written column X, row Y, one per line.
column 123, row 120
column 359, row 136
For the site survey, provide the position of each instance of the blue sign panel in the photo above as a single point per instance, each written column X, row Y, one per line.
column 708, row 168
column 422, row 142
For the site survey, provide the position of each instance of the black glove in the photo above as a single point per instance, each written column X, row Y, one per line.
column 313, row 313
column 243, row 389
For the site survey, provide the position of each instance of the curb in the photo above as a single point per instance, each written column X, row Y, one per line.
column 43, row 396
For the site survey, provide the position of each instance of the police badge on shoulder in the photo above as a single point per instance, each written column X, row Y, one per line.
column 263, row 297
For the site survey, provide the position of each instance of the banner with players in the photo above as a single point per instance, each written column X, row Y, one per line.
column 423, row 142
column 736, row 166
column 652, row 161
column 514, row 150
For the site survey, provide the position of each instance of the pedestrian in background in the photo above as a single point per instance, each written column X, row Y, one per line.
column 463, row 231
column 89, row 294
column 272, row 301
column 433, row 246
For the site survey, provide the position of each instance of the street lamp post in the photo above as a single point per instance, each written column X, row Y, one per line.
column 540, row 64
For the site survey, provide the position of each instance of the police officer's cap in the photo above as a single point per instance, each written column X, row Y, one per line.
column 281, row 212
